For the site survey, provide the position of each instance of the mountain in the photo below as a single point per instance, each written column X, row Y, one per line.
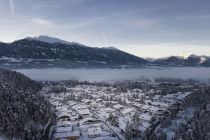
column 110, row 48
column 50, row 52
column 22, row 108
column 48, row 39
column 191, row 60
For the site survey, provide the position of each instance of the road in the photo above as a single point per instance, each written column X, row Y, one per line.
column 113, row 129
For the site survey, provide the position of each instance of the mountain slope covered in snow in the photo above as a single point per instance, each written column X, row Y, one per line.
column 50, row 52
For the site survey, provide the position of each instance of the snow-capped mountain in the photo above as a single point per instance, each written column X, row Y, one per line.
column 110, row 48
column 45, row 51
column 49, row 52
column 187, row 60
column 202, row 59
column 47, row 39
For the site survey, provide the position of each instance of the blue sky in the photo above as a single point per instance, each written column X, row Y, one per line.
column 146, row 28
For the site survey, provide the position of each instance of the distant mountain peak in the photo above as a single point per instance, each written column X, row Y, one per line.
column 51, row 40
column 110, row 48
column 48, row 39
column 203, row 60
column 188, row 55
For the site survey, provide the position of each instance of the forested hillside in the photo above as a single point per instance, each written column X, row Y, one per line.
column 23, row 111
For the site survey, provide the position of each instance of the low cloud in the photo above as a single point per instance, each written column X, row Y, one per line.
column 201, row 73
column 43, row 22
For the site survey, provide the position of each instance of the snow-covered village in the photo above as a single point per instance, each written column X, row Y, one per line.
column 145, row 109
column 119, row 111
column 104, row 70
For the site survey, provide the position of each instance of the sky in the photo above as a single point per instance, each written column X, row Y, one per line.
column 146, row 28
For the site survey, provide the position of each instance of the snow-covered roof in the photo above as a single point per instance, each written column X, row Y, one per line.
column 166, row 105
column 88, row 119
column 94, row 131
column 63, row 123
column 61, row 108
column 98, row 100
column 105, row 138
column 70, row 103
column 145, row 107
column 84, row 112
column 154, row 109
column 62, row 114
column 118, row 106
column 183, row 95
column 145, row 116
column 80, row 106
column 127, row 110
column 56, row 103
column 66, row 135
column 137, row 104
column 63, row 129
column 108, row 109
column 86, row 100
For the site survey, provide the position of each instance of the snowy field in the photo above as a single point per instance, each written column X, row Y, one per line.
column 198, row 73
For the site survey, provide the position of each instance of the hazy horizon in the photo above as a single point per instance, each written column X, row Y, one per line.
column 183, row 54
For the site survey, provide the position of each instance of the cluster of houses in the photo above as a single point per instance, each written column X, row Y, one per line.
column 99, row 113
column 76, row 120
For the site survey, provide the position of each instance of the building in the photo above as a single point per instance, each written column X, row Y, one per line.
column 94, row 132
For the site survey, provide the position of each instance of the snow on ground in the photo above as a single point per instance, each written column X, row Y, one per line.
column 86, row 115
column 182, row 117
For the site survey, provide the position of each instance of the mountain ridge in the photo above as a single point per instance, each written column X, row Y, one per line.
column 45, row 51
column 30, row 52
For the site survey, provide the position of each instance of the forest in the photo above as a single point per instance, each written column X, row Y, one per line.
column 23, row 111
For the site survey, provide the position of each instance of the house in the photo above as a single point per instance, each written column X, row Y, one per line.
column 84, row 113
column 73, row 135
column 79, row 107
column 145, row 107
column 74, row 116
column 107, row 110
column 128, row 111
column 86, row 101
column 56, row 103
column 63, row 123
column 94, row 132
column 71, row 103
column 60, row 109
column 156, row 110
column 145, row 117
column 89, row 120
column 63, row 117
column 63, row 129
column 136, row 105
column 118, row 106
column 98, row 100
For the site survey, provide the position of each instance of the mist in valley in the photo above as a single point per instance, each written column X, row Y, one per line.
column 196, row 73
